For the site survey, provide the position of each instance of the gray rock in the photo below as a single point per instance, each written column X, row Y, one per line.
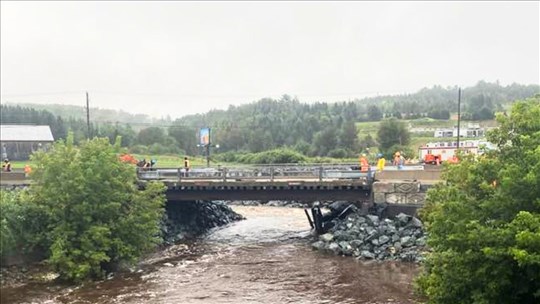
column 334, row 247
column 367, row 255
column 346, row 248
column 407, row 232
column 403, row 218
column 383, row 239
column 421, row 241
column 327, row 237
column 356, row 243
column 406, row 241
column 371, row 235
column 373, row 219
column 416, row 223
column 318, row 245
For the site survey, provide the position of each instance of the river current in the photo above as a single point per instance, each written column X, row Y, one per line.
column 263, row 259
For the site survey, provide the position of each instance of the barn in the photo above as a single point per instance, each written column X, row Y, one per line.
column 17, row 142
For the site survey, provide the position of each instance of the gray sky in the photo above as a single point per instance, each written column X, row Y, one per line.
column 178, row 58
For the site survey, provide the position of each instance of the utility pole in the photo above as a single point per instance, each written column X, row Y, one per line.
column 88, row 115
column 208, row 155
column 458, row 115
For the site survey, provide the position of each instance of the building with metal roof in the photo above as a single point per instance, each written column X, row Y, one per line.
column 19, row 141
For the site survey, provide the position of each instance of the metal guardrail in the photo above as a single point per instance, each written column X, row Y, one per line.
column 269, row 173
column 254, row 173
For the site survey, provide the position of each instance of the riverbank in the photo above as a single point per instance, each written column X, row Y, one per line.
column 181, row 222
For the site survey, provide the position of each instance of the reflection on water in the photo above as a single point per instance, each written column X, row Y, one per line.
column 264, row 259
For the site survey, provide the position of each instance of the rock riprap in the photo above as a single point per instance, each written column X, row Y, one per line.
column 188, row 219
column 369, row 237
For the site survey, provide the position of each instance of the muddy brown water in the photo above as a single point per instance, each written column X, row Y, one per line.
column 264, row 259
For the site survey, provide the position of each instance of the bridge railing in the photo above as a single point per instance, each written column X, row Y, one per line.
column 270, row 173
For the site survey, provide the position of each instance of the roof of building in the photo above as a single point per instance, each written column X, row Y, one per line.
column 14, row 133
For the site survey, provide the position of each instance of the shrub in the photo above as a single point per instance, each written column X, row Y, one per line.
column 23, row 224
column 338, row 153
column 97, row 216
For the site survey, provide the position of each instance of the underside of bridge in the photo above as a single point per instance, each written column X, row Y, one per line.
column 307, row 195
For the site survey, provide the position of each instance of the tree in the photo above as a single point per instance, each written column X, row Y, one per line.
column 186, row 138
column 374, row 113
column 325, row 140
column 97, row 216
column 392, row 132
column 348, row 136
column 150, row 136
column 484, row 221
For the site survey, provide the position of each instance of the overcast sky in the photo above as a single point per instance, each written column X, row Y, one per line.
column 178, row 58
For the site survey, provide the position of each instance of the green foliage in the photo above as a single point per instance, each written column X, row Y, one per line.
column 439, row 114
column 484, row 222
column 186, row 138
column 150, row 136
column 374, row 113
column 277, row 156
column 392, row 132
column 97, row 216
column 339, row 153
column 22, row 224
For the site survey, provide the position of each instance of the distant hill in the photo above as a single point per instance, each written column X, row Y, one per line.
column 97, row 115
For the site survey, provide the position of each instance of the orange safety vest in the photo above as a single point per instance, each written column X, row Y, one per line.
column 364, row 165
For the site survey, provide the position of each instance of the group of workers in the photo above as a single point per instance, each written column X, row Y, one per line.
column 6, row 167
column 398, row 160
column 150, row 164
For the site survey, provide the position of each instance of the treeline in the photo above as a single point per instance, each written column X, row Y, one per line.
column 96, row 114
column 479, row 102
column 317, row 129
column 328, row 129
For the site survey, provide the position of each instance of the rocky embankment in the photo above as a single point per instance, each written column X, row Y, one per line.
column 184, row 220
column 369, row 237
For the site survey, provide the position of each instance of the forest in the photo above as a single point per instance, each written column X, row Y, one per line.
column 314, row 129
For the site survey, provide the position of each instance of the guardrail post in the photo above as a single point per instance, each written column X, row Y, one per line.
column 320, row 173
column 224, row 173
column 272, row 174
column 179, row 173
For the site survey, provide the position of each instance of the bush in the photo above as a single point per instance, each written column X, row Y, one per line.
column 97, row 216
column 277, row 156
column 22, row 224
column 338, row 153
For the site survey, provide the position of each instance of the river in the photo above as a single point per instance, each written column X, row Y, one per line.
column 263, row 259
